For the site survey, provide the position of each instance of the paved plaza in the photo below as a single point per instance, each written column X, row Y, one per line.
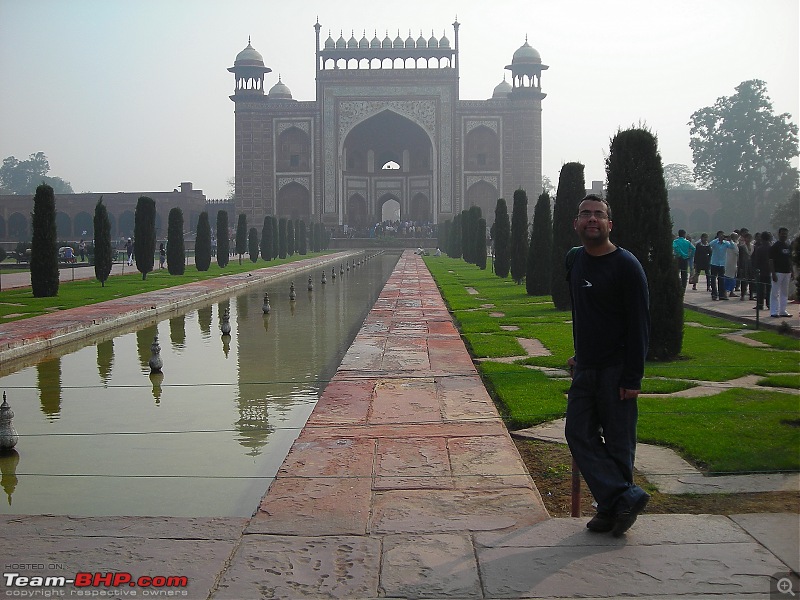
column 405, row 483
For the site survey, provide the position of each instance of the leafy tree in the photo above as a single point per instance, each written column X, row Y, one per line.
column 290, row 237
column 318, row 237
column 302, row 242
column 480, row 242
column 202, row 243
column 679, row 177
column 266, row 239
column 502, row 239
column 241, row 236
column 571, row 188
column 743, row 150
column 144, row 234
column 103, row 257
column 252, row 243
column 282, row 239
column 519, row 236
column 787, row 214
column 637, row 195
column 22, row 177
column 223, row 243
column 44, row 245
column 176, row 249
column 540, row 249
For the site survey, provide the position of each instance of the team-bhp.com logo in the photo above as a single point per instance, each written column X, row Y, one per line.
column 94, row 585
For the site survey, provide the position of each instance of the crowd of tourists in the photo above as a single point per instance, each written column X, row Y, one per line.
column 755, row 267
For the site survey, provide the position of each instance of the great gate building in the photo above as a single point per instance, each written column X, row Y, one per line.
column 387, row 135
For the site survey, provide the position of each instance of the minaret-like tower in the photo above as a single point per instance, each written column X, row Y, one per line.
column 249, row 70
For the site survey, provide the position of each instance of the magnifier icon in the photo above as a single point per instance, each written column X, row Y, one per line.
column 784, row 586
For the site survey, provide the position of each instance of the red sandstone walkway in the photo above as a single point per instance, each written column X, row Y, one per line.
column 403, row 457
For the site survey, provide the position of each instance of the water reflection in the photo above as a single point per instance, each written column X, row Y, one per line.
column 48, row 381
column 9, row 459
column 105, row 360
column 203, row 439
column 177, row 332
column 204, row 320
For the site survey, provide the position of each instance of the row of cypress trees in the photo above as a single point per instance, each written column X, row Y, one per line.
column 278, row 238
column 637, row 195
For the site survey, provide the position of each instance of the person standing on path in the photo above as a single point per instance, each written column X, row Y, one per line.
column 611, row 333
column 719, row 252
column 702, row 261
column 129, row 251
column 683, row 250
column 780, row 268
column 761, row 270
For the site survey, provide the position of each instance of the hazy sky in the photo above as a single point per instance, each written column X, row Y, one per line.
column 132, row 95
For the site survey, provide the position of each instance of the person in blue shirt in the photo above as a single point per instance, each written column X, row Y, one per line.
column 683, row 251
column 611, row 333
column 719, row 251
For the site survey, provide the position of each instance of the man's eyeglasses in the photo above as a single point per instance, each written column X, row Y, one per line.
column 597, row 214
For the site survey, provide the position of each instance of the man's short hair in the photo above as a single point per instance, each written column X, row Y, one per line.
column 597, row 198
column 681, row 232
column 786, row 229
column 720, row 231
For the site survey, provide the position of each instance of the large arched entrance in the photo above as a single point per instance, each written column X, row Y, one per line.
column 384, row 158
column 483, row 195
column 357, row 212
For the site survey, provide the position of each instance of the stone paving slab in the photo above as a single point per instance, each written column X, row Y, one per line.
column 779, row 533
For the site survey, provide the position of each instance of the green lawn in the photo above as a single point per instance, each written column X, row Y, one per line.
column 19, row 303
column 753, row 430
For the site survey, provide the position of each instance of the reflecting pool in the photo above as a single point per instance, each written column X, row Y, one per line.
column 99, row 435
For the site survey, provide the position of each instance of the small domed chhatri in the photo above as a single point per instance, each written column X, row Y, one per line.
column 526, row 54
column 502, row 89
column 280, row 91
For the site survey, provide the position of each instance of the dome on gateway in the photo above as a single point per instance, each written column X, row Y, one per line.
column 329, row 43
column 249, row 57
column 502, row 89
column 526, row 54
column 280, row 91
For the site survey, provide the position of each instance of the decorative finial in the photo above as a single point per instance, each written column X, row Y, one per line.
column 248, row 40
column 8, row 435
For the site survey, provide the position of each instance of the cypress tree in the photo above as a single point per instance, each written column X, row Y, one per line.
column 519, row 236
column 318, row 237
column 637, row 195
column 290, row 237
column 467, row 230
column 44, row 244
column 480, row 244
column 266, row 239
column 571, row 188
column 282, row 240
column 455, row 237
column 252, row 243
column 275, row 240
column 176, row 249
column 223, row 242
column 202, row 244
column 302, row 242
column 540, row 249
column 241, row 236
column 443, row 232
column 502, row 239
column 144, row 234
column 103, row 258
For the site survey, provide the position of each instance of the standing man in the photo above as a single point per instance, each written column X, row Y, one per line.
column 702, row 261
column 683, row 250
column 611, row 332
column 780, row 268
column 719, row 254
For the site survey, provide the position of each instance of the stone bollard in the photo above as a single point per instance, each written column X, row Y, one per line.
column 156, row 362
column 324, row 280
column 292, row 293
column 8, row 435
column 310, row 284
column 265, row 308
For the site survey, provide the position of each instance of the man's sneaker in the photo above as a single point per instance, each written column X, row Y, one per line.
column 625, row 519
column 602, row 522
